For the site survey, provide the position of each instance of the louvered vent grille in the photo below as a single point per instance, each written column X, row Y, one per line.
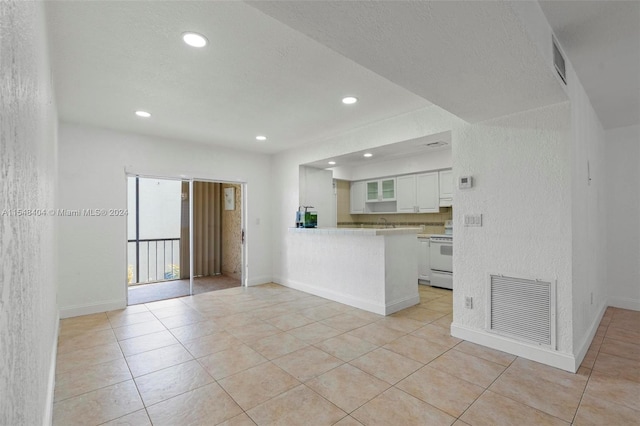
column 523, row 309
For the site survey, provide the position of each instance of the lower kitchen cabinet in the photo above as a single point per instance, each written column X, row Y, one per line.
column 424, row 264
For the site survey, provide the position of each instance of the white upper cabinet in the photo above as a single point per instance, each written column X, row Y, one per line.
column 381, row 190
column 357, row 197
column 406, row 194
column 446, row 188
column 427, row 193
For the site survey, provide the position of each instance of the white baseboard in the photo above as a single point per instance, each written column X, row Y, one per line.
column 394, row 307
column 92, row 308
column 258, row 281
column 586, row 342
column 47, row 419
column 560, row 360
column 625, row 303
column 366, row 305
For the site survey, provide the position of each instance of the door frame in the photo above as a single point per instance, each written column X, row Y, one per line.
column 132, row 172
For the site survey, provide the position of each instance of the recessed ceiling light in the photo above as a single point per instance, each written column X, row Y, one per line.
column 194, row 39
column 368, row 154
column 349, row 100
column 332, row 163
column 261, row 138
column 143, row 114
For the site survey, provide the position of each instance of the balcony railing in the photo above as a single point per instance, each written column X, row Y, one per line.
column 152, row 260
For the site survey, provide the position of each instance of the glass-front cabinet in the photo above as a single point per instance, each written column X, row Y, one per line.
column 381, row 190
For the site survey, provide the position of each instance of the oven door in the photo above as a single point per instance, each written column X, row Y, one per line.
column 441, row 255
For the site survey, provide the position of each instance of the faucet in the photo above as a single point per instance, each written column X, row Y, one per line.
column 383, row 220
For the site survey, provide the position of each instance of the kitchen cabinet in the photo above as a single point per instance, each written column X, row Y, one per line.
column 357, row 194
column 381, row 190
column 418, row 193
column 446, row 187
column 424, row 265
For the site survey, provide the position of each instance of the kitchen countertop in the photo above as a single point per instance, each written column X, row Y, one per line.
column 357, row 231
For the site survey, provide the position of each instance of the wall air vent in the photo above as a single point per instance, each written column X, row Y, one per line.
column 522, row 309
column 558, row 61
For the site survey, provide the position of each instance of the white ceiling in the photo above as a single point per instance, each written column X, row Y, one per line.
column 280, row 68
column 602, row 41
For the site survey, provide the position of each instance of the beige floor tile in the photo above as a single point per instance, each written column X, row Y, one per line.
column 157, row 359
column 85, row 339
column 623, row 368
column 319, row 313
column 348, row 421
column 444, row 391
column 98, row 406
column 438, row 306
column 208, row 405
column 237, row 320
column 621, row 349
column 210, row 344
column 444, row 322
column 629, row 336
column 437, row 335
column 163, row 304
column 537, row 392
column 386, row 365
column 289, row 321
column 148, row 342
column 468, row 367
column 256, row 385
column 554, row 375
column 195, row 330
column 241, row 420
column 183, row 319
column 136, row 330
column 298, row 406
column 123, row 320
column 252, row 332
column 346, row 347
column 133, row 309
column 420, row 314
column 416, row 348
column 614, row 389
column 377, row 334
column 76, row 382
column 231, row 361
column 590, row 358
column 89, row 356
column 625, row 322
column 277, row 345
column 169, row 382
column 483, row 352
column 347, row 387
column 307, row 363
column 395, row 407
column 596, row 412
column 139, row 418
column 492, row 409
column 405, row 325
column 173, row 311
column 314, row 333
column 346, row 322
column 84, row 324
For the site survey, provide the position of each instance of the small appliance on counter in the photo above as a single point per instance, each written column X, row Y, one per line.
column 306, row 218
column 448, row 227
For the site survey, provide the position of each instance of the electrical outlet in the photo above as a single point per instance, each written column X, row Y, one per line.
column 468, row 302
column 472, row 220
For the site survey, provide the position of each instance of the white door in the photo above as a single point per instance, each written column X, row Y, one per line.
column 427, row 194
column 406, row 194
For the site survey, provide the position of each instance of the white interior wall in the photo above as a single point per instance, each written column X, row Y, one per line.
column 285, row 166
column 623, row 217
column 28, row 138
column 521, row 169
column 92, row 176
column 316, row 189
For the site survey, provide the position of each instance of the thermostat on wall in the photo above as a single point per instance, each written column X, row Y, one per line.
column 465, row 182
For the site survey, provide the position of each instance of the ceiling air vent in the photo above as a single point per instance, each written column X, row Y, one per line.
column 558, row 61
column 434, row 144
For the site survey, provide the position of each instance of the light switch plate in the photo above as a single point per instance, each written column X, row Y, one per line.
column 472, row 220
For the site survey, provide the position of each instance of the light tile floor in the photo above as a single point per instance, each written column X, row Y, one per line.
column 269, row 355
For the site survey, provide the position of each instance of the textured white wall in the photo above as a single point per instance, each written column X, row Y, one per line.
column 316, row 189
column 28, row 312
column 92, row 175
column 521, row 168
column 285, row 166
column 623, row 216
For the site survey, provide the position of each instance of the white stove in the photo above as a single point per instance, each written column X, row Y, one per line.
column 441, row 257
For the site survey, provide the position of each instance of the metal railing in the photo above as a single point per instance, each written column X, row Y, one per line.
column 152, row 255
